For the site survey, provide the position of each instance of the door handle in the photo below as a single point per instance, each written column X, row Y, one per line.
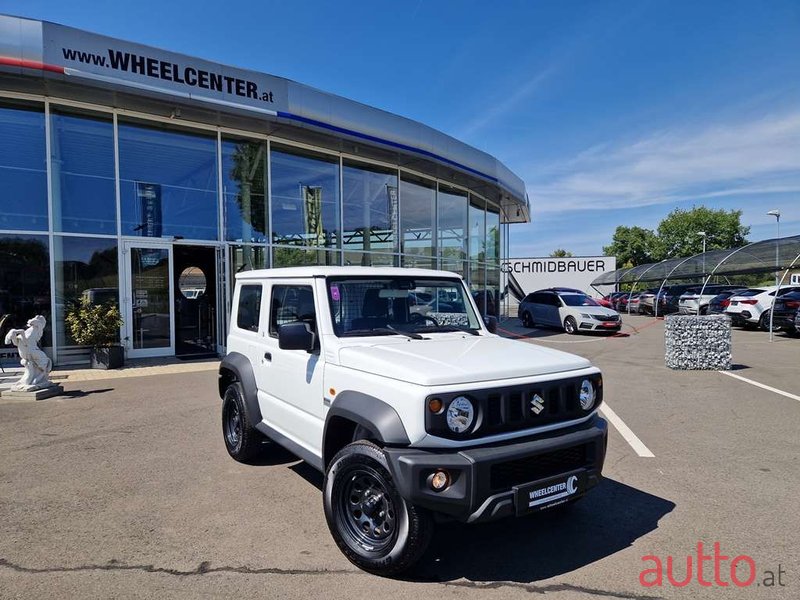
column 268, row 356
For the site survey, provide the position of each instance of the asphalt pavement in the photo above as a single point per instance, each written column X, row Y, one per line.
column 123, row 489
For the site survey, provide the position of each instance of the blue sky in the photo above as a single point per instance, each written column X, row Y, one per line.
column 613, row 113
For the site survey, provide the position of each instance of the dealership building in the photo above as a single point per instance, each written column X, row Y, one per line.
column 150, row 178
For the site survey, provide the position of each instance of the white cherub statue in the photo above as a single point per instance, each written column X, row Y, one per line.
column 37, row 364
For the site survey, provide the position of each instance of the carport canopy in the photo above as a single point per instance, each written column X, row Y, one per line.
column 773, row 255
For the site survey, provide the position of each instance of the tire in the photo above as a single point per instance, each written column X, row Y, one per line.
column 570, row 326
column 703, row 310
column 763, row 322
column 358, row 480
column 242, row 440
column 527, row 320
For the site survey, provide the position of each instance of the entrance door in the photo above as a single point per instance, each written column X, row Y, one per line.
column 195, row 284
column 149, row 299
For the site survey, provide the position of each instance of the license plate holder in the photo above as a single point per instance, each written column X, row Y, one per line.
column 545, row 493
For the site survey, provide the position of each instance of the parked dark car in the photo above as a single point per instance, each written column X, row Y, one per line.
column 720, row 302
column 785, row 312
column 670, row 296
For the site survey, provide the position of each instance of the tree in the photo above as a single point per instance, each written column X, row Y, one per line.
column 632, row 246
column 560, row 253
column 677, row 234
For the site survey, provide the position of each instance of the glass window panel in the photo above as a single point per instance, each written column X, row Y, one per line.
column 454, row 266
column 244, row 175
column 23, row 168
column 417, row 217
column 82, row 163
column 84, row 267
column 248, row 258
column 418, row 262
column 24, row 283
column 305, row 197
column 370, row 259
column 248, row 313
column 452, row 223
column 492, row 236
column 369, row 207
column 298, row 257
column 477, row 233
column 168, row 183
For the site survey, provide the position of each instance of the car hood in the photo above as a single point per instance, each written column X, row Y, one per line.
column 443, row 361
column 594, row 310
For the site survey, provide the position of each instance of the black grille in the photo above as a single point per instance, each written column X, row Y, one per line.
column 607, row 317
column 524, row 470
column 515, row 407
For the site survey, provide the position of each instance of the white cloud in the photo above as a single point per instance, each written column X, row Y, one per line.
column 756, row 157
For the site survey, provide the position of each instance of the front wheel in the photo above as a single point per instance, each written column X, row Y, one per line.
column 527, row 321
column 763, row 322
column 570, row 326
column 374, row 527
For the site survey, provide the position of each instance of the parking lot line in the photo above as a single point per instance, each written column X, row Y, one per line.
column 625, row 431
column 761, row 385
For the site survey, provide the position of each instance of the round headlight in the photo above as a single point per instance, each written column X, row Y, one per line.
column 460, row 414
column 587, row 394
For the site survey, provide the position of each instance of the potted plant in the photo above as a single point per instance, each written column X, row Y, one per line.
column 97, row 325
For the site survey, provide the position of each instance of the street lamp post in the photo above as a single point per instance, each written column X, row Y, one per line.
column 705, row 235
column 777, row 214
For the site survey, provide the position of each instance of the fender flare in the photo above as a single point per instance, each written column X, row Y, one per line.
column 239, row 365
column 371, row 413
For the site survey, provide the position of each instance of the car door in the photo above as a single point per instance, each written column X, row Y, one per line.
column 295, row 377
column 550, row 308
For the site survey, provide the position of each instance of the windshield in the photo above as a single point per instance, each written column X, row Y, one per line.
column 399, row 305
column 578, row 300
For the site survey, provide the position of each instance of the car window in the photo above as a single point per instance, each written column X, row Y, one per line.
column 289, row 304
column 248, row 311
column 578, row 300
column 530, row 298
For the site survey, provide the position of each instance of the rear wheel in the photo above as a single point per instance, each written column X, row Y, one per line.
column 763, row 322
column 570, row 326
column 242, row 440
column 374, row 527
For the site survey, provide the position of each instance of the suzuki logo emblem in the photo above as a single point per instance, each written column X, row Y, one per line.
column 537, row 404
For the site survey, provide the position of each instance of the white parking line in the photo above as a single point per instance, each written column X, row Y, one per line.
column 626, row 432
column 761, row 385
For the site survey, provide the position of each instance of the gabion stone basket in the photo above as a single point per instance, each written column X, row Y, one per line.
column 698, row 343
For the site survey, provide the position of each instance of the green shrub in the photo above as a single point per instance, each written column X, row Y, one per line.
column 94, row 325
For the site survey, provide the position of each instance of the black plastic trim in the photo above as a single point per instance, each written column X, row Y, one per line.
column 240, row 366
column 292, row 446
column 372, row 413
column 470, row 497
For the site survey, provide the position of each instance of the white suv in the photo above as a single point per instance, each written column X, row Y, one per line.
column 753, row 306
column 389, row 382
column 692, row 303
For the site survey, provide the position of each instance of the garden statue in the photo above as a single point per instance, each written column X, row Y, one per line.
column 37, row 364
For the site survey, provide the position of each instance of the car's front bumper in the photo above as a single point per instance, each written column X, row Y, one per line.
column 593, row 325
column 483, row 478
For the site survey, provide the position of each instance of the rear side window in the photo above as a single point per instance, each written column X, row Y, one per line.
column 248, row 312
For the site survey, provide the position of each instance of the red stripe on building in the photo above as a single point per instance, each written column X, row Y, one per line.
column 29, row 64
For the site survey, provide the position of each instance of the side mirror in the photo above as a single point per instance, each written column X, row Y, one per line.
column 491, row 323
column 296, row 336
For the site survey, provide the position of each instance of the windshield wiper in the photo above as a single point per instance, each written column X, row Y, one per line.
column 388, row 330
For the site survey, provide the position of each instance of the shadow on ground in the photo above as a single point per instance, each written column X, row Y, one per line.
column 546, row 545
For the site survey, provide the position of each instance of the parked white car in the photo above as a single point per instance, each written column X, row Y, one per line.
column 570, row 310
column 753, row 306
column 692, row 302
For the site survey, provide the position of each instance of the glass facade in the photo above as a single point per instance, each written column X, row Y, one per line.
column 168, row 182
column 261, row 203
column 82, row 164
column 84, row 267
column 23, row 168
